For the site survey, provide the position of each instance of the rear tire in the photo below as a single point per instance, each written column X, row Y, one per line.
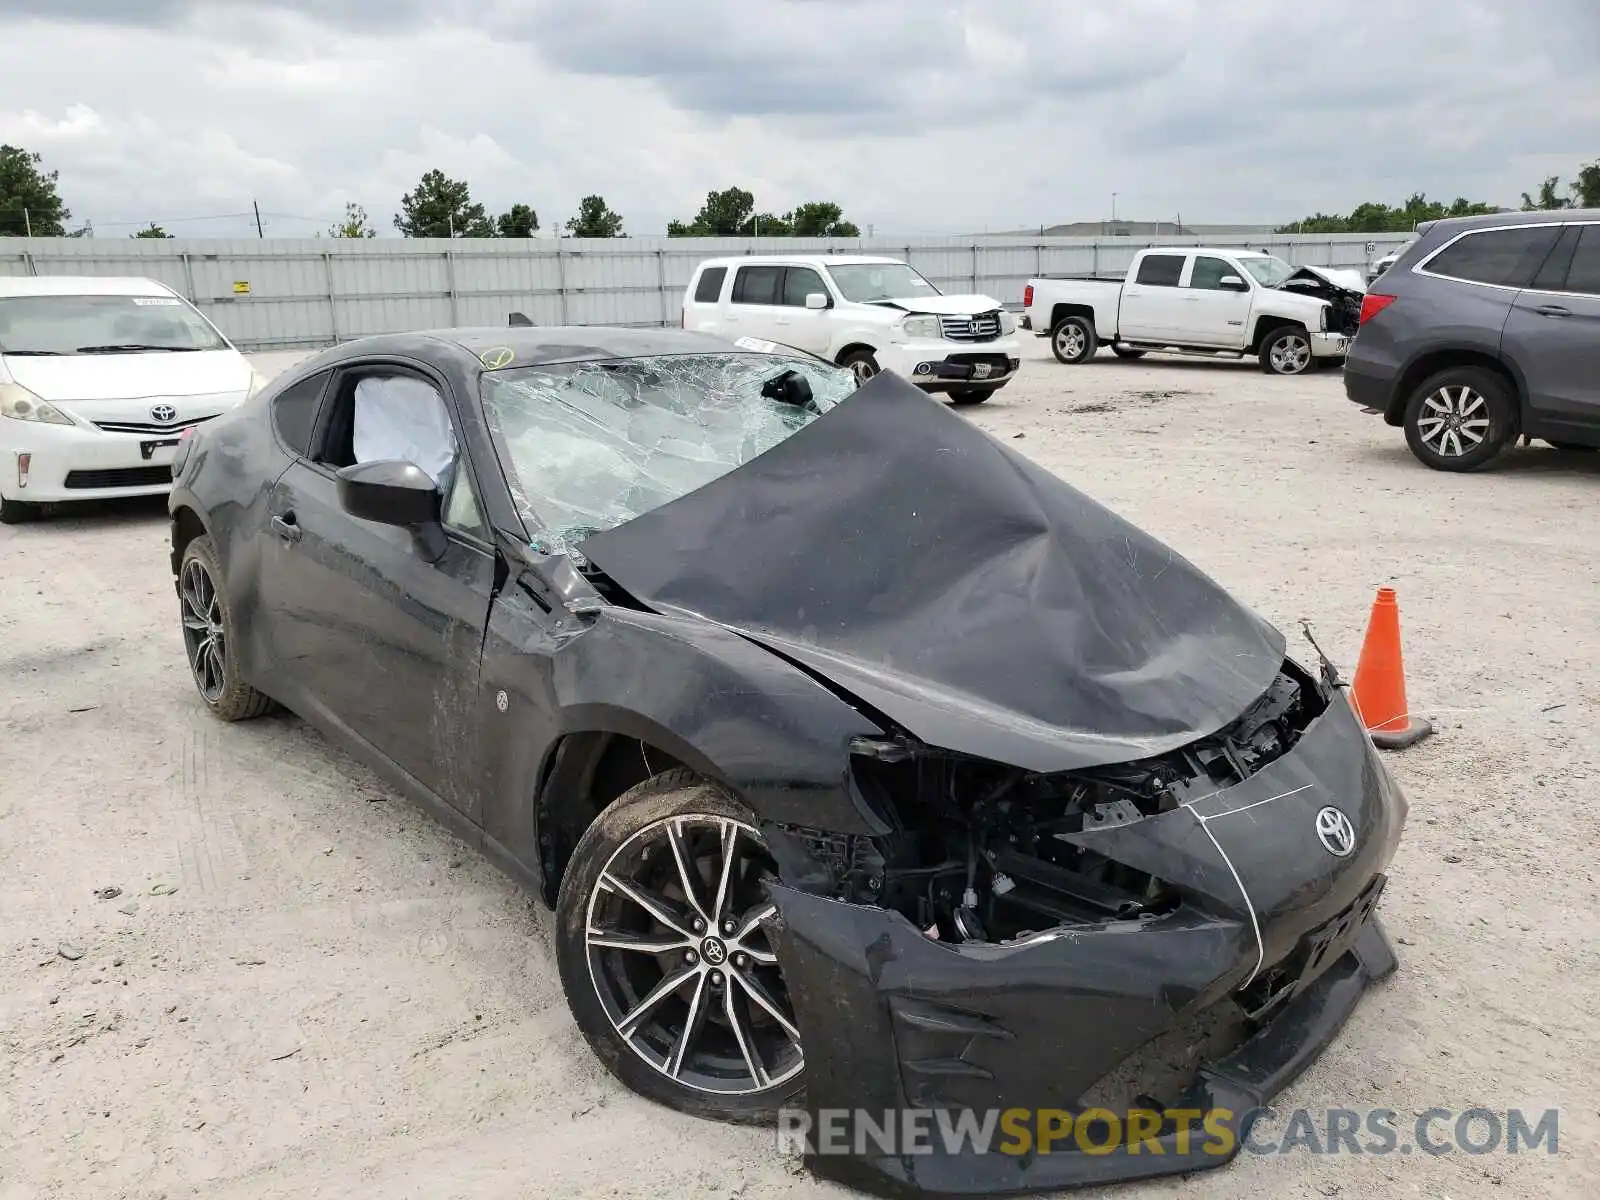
column 1073, row 340
column 1287, row 351
column 665, row 842
column 965, row 396
column 1127, row 352
column 210, row 637
column 18, row 512
column 1452, row 408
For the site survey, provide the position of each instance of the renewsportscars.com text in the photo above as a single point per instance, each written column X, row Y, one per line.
column 1020, row 1131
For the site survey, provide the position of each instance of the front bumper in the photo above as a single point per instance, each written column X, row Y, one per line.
column 1273, row 945
column 937, row 366
column 46, row 464
column 1330, row 345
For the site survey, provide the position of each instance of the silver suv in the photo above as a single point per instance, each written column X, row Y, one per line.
column 1486, row 328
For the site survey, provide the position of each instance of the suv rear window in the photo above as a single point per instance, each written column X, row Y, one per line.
column 1160, row 270
column 709, row 289
column 758, row 285
column 1507, row 257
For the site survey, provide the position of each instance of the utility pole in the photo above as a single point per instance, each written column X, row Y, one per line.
column 260, row 233
column 1113, row 212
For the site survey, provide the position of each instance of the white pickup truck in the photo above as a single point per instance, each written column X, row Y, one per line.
column 1196, row 300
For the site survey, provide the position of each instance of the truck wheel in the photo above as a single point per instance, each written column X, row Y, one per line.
column 1459, row 419
column 1073, row 340
column 1127, row 352
column 1287, row 351
column 862, row 364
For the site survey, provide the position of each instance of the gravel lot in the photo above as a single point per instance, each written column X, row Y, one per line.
column 306, row 988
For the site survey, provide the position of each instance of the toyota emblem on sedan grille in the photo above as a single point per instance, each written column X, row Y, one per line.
column 163, row 413
column 1334, row 831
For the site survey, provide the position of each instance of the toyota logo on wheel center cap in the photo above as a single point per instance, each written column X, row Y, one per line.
column 163, row 413
column 1334, row 831
column 713, row 951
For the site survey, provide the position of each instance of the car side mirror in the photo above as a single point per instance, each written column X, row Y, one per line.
column 789, row 388
column 399, row 493
column 1232, row 283
column 816, row 300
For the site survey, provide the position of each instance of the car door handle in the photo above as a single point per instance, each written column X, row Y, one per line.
column 1552, row 310
column 285, row 527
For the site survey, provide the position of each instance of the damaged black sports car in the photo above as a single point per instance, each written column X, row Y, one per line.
column 866, row 764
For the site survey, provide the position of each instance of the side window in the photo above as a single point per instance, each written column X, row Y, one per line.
column 294, row 412
column 1208, row 273
column 757, row 285
column 709, row 288
column 1552, row 277
column 380, row 414
column 798, row 283
column 1160, row 270
column 1507, row 257
column 1584, row 274
column 461, row 508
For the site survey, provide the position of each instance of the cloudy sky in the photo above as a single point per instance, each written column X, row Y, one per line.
column 926, row 116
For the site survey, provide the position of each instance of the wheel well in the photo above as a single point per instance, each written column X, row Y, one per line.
column 186, row 526
column 1062, row 311
column 1442, row 360
column 586, row 772
column 847, row 351
column 1267, row 326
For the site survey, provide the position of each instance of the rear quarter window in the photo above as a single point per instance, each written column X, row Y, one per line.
column 1160, row 270
column 294, row 412
column 709, row 288
column 1504, row 257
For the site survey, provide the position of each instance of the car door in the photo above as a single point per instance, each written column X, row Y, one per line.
column 799, row 326
column 755, row 302
column 377, row 638
column 1214, row 314
column 1553, row 333
column 1152, row 300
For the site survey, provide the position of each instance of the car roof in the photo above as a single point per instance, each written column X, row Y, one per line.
column 810, row 260
column 499, row 347
column 81, row 285
column 1538, row 216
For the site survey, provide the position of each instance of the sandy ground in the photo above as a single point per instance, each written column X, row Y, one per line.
column 338, row 1000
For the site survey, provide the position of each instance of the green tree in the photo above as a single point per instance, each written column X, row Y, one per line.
column 520, row 222
column 1586, row 189
column 1548, row 199
column 1374, row 217
column 766, row 225
column 151, row 231
column 441, row 207
column 354, row 225
column 595, row 220
column 28, row 199
column 821, row 218
column 724, row 214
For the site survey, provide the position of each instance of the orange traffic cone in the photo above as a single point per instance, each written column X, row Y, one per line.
column 1379, row 690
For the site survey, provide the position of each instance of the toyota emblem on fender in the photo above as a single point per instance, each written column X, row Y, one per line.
column 163, row 413
column 1334, row 831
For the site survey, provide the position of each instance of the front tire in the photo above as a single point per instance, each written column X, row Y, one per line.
column 665, row 954
column 1287, row 351
column 863, row 364
column 1460, row 419
column 210, row 640
column 18, row 512
column 1073, row 340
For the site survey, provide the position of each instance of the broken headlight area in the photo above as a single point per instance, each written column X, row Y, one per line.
column 978, row 851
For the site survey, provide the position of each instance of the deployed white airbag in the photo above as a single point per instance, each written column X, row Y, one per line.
column 398, row 417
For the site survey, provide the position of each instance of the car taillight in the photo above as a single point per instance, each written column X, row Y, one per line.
column 1372, row 304
column 1027, row 296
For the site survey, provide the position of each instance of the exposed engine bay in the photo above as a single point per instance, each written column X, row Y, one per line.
column 978, row 854
column 1344, row 303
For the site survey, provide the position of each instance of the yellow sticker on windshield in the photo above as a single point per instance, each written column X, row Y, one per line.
column 493, row 360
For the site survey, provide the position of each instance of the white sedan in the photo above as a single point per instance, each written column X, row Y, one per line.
column 99, row 377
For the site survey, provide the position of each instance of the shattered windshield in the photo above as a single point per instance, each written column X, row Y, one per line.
column 1269, row 270
column 589, row 445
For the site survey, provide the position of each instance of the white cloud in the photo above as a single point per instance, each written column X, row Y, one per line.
column 964, row 115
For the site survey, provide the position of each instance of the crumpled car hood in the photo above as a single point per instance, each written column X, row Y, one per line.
column 1341, row 278
column 961, row 591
